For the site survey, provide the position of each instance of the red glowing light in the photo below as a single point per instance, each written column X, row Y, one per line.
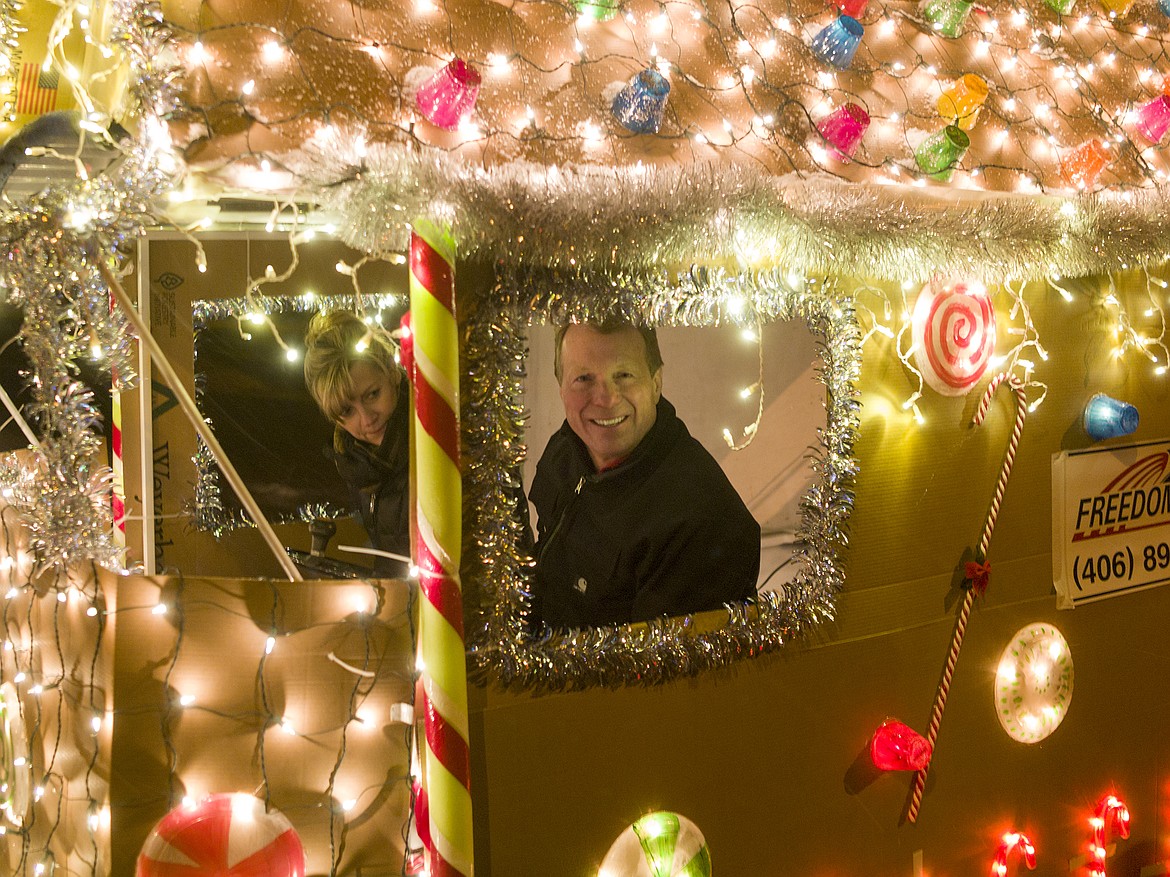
column 1013, row 840
column 895, row 746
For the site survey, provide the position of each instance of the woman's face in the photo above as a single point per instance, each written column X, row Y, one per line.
column 366, row 413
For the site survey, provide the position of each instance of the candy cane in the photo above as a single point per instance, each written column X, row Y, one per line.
column 118, row 493
column 1111, row 813
column 1013, row 840
column 434, row 359
column 981, row 569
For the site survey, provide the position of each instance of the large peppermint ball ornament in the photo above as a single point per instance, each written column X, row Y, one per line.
column 1034, row 683
column 222, row 836
column 954, row 336
column 659, row 844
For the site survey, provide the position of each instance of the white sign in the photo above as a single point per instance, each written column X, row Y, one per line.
column 1110, row 521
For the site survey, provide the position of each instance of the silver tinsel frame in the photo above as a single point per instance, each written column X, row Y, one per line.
column 497, row 570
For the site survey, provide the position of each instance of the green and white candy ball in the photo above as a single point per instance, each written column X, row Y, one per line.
column 1034, row 683
column 660, row 844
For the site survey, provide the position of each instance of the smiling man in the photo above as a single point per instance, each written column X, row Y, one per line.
column 635, row 519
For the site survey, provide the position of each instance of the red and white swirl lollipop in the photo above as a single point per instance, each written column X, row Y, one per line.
column 954, row 336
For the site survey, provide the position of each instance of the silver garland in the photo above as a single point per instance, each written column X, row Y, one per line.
column 654, row 218
column 502, row 644
column 53, row 245
column 61, row 495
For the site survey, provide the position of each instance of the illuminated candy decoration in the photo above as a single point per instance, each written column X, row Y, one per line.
column 1111, row 813
column 938, row 154
column 843, row 129
column 1013, row 840
column 954, row 336
column 448, row 97
column 837, row 42
column 640, row 105
column 660, row 844
column 945, row 16
column 852, row 8
column 961, row 102
column 442, row 686
column 1154, row 118
column 895, row 746
column 1117, row 8
column 1106, row 417
column 964, row 614
column 14, row 758
column 1034, row 683
column 117, row 465
column 225, row 835
column 597, row 10
column 1083, row 165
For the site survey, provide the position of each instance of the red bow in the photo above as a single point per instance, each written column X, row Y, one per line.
column 978, row 575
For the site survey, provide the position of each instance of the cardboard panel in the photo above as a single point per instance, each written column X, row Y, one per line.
column 305, row 726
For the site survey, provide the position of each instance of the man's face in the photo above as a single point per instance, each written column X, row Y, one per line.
column 608, row 391
column 366, row 413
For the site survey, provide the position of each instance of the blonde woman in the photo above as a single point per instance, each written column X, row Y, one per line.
column 352, row 375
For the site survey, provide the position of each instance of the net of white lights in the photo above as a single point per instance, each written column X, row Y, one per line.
column 741, row 172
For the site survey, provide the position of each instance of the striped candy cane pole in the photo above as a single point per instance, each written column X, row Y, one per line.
column 118, row 493
column 1013, row 840
column 435, row 354
column 944, row 685
column 1111, row 813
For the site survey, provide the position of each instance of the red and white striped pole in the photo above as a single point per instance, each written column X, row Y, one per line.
column 439, row 500
column 944, row 686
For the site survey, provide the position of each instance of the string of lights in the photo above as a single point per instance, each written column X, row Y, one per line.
column 329, row 673
column 746, row 84
column 10, row 31
column 52, row 714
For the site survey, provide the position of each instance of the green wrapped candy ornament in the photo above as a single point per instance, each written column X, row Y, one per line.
column 660, row 844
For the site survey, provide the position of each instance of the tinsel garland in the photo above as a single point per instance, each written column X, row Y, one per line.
column 502, row 643
column 52, row 244
column 654, row 218
column 10, row 30
column 60, row 493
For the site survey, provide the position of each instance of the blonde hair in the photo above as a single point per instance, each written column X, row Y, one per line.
column 335, row 343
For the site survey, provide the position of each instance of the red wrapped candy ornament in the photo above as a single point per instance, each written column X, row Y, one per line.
column 222, row 836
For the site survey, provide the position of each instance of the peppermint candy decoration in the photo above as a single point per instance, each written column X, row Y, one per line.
column 1034, row 683
column 224, row 835
column 954, row 336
